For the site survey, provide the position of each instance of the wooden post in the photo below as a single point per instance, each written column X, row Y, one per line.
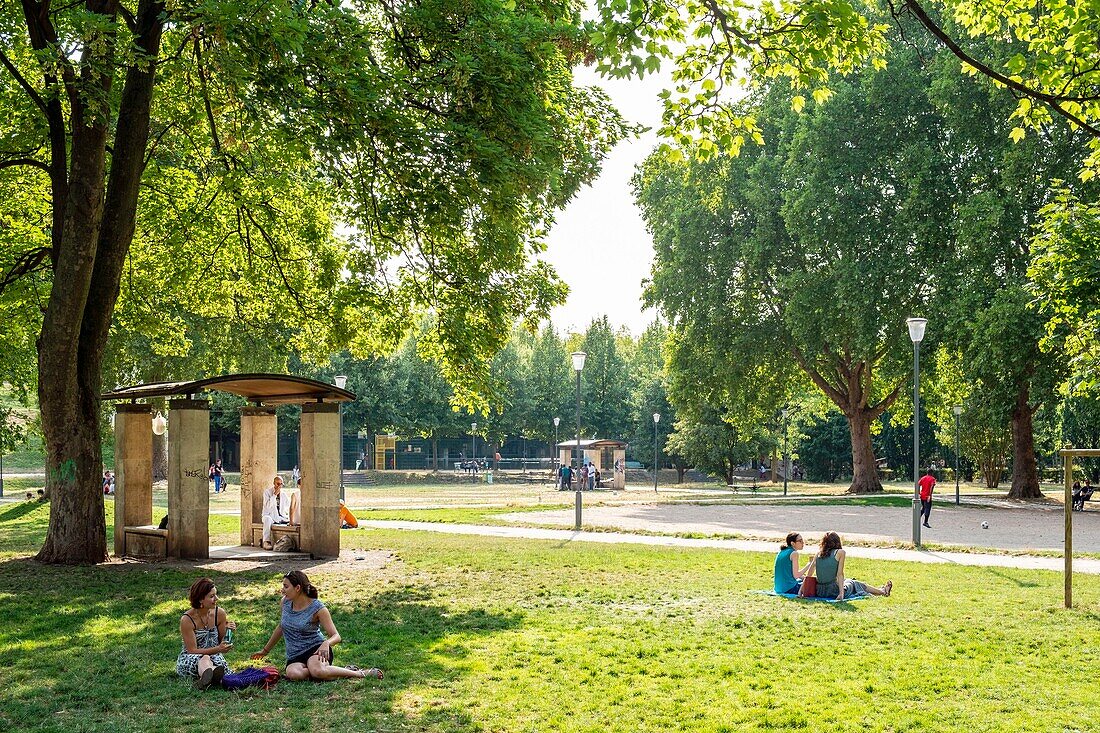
column 1067, row 456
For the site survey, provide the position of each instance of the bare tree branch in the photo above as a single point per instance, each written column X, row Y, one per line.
column 22, row 81
column 26, row 263
column 1053, row 101
column 25, row 161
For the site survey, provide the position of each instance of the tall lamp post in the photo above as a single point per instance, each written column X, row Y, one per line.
column 786, row 455
column 916, row 335
column 555, row 463
column 340, row 381
column 958, row 410
column 473, row 443
column 578, row 367
column 656, row 419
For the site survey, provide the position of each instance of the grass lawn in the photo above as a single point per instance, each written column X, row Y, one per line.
column 485, row 634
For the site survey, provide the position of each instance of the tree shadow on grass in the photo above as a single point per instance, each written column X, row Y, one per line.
column 15, row 511
column 94, row 648
column 1019, row 583
column 20, row 531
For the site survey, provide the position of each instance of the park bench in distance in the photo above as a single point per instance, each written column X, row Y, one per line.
column 744, row 480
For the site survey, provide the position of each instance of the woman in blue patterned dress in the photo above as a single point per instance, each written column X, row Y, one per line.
column 203, row 628
column 308, row 652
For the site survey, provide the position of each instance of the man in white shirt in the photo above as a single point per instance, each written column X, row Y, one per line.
column 273, row 511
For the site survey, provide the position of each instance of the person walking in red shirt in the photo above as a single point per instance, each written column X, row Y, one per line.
column 927, row 483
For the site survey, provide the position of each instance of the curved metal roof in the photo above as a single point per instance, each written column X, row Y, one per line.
column 262, row 389
column 593, row 443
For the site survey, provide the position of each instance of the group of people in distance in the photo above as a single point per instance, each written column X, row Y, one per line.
column 588, row 477
column 827, row 566
column 205, row 631
column 1081, row 494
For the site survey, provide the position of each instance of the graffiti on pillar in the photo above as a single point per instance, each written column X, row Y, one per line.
column 194, row 472
column 325, row 485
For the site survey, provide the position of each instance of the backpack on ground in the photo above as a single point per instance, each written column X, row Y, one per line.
column 264, row 677
column 286, row 543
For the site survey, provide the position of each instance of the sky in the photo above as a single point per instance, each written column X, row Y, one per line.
column 599, row 244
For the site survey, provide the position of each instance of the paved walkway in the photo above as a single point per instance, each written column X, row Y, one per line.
column 877, row 553
column 1014, row 526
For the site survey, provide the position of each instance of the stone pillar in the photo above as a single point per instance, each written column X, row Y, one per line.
column 619, row 481
column 320, row 530
column 133, row 470
column 259, row 452
column 593, row 457
column 188, row 482
column 565, row 456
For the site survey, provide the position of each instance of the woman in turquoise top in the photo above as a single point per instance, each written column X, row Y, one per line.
column 308, row 651
column 788, row 576
column 829, row 567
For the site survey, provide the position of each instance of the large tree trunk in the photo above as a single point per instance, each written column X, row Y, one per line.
column 864, row 467
column 77, row 530
column 97, row 231
column 1025, row 472
column 853, row 397
column 160, row 456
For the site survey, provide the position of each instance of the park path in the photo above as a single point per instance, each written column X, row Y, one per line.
column 1013, row 526
column 1082, row 565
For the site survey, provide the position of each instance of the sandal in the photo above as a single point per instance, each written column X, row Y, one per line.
column 219, row 673
column 888, row 588
column 372, row 672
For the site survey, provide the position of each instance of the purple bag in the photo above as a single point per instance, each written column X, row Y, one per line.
column 250, row 677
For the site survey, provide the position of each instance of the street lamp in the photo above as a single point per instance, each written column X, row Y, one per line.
column 656, row 419
column 340, row 381
column 958, row 410
column 916, row 335
column 578, row 366
column 786, row 455
column 159, row 424
column 557, row 460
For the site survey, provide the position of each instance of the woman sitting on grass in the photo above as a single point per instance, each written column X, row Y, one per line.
column 829, row 567
column 203, row 627
column 308, row 652
column 788, row 576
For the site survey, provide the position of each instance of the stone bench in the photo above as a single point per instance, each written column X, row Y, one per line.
column 146, row 541
column 278, row 531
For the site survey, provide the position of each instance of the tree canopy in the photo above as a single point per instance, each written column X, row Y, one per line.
column 311, row 174
column 719, row 47
column 800, row 250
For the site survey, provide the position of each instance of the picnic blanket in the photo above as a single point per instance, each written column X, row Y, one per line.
column 858, row 596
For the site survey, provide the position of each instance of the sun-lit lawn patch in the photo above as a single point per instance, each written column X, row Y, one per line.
column 488, row 634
